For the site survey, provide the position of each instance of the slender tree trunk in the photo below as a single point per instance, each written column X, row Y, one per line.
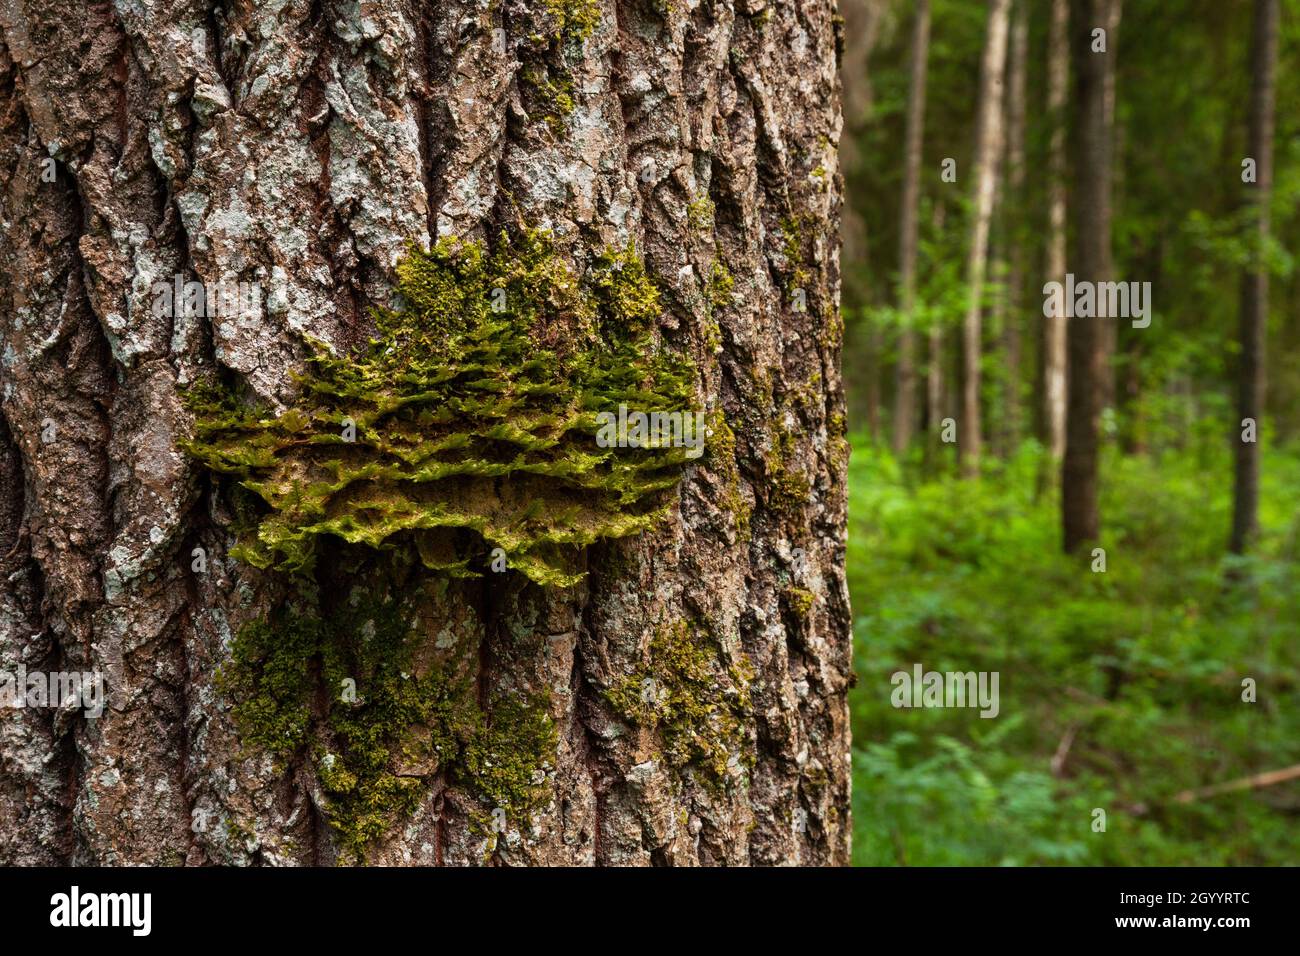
column 862, row 22
column 303, row 145
column 1254, row 283
column 1109, row 14
column 1013, row 204
column 934, row 392
column 1054, row 327
column 1087, row 355
column 905, row 400
column 988, row 144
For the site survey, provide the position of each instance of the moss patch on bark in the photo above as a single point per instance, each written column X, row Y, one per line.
column 696, row 699
column 351, row 695
column 474, row 410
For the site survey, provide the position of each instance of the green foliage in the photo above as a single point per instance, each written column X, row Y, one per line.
column 1144, row 662
column 475, row 409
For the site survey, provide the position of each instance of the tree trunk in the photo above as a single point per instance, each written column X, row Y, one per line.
column 935, row 399
column 303, row 145
column 1087, row 351
column 1254, row 282
column 988, row 144
column 1054, row 327
column 861, row 286
column 1013, row 204
column 1109, row 14
column 905, row 399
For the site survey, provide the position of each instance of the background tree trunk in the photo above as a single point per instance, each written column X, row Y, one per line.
column 863, row 285
column 1254, row 283
column 303, row 145
column 905, row 399
column 935, row 398
column 1054, row 327
column 1013, row 200
column 1109, row 13
column 1087, row 342
column 988, row 145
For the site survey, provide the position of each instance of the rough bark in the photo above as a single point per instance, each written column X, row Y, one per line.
column 1087, row 345
column 988, row 146
column 1054, row 327
column 303, row 145
column 905, row 396
column 1254, row 281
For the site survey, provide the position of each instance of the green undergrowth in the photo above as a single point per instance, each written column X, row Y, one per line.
column 349, row 693
column 474, row 410
column 1134, row 674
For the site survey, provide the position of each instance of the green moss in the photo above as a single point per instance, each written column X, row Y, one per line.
column 626, row 298
column 699, row 213
column 694, row 698
column 839, row 445
column 374, row 754
column 507, row 758
column 475, row 409
column 553, row 97
column 788, row 487
column 719, row 286
column 269, row 677
column 799, row 600
column 722, row 463
column 403, row 717
column 574, row 19
column 795, row 240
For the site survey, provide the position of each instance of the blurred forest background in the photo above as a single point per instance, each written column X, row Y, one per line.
column 1170, row 156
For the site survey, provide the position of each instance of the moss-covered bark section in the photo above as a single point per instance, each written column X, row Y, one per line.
column 695, row 698
column 474, row 410
column 355, row 695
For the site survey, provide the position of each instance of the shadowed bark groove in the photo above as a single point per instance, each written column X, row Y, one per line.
column 302, row 146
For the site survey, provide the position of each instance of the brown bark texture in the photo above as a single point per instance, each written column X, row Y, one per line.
column 1088, row 356
column 1254, row 283
column 302, row 145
